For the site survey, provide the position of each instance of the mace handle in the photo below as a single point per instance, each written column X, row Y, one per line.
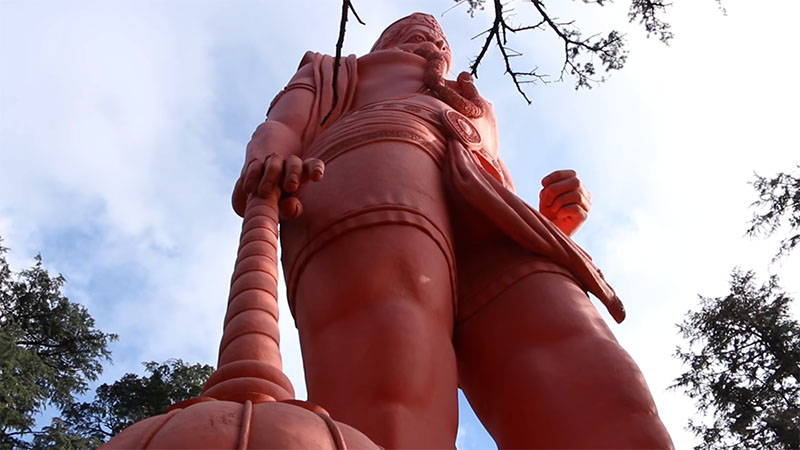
column 249, row 365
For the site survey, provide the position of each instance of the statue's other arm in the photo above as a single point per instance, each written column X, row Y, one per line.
column 273, row 156
column 563, row 198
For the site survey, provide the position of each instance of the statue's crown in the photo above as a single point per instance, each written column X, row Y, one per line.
column 393, row 31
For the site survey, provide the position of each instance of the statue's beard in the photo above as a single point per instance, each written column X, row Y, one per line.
column 461, row 94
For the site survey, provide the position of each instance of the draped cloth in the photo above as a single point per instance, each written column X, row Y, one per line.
column 347, row 79
column 525, row 225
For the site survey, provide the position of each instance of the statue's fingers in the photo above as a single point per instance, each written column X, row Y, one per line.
column 239, row 186
column 252, row 175
column 558, row 175
column 273, row 169
column 547, row 212
column 572, row 213
column 292, row 171
column 239, row 198
column 313, row 169
column 570, row 199
column 290, row 207
column 557, row 188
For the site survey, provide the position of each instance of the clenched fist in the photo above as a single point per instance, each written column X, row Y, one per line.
column 565, row 200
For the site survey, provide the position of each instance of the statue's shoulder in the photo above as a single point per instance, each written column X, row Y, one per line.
column 309, row 57
column 312, row 58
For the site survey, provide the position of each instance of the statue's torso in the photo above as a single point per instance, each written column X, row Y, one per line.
column 395, row 75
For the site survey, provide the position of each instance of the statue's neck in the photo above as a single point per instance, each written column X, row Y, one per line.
column 388, row 74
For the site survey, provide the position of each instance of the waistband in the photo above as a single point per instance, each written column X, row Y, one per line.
column 414, row 120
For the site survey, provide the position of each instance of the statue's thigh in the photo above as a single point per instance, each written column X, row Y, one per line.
column 374, row 310
column 542, row 369
column 372, row 270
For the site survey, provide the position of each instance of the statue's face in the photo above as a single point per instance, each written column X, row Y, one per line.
column 418, row 37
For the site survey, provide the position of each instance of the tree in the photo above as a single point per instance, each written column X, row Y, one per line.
column 130, row 399
column 743, row 356
column 49, row 349
column 744, row 348
column 778, row 207
column 589, row 59
column 49, row 353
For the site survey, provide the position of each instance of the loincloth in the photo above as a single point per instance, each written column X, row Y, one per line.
column 385, row 165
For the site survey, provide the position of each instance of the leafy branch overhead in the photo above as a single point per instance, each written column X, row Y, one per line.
column 778, row 205
column 586, row 58
column 579, row 51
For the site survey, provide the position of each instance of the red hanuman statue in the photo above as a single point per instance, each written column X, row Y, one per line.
column 413, row 269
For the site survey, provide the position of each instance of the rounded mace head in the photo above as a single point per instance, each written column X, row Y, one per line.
column 219, row 424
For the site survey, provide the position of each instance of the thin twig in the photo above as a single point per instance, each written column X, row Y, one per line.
column 346, row 6
column 458, row 3
column 498, row 17
column 350, row 5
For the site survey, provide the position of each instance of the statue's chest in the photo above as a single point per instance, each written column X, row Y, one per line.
column 386, row 77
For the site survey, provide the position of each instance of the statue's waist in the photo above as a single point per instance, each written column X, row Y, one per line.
column 414, row 120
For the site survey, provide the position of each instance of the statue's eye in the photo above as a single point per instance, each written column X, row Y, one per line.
column 419, row 38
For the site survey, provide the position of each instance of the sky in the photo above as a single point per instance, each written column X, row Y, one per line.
column 123, row 126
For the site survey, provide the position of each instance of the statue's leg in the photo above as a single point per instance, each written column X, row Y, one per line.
column 542, row 370
column 374, row 308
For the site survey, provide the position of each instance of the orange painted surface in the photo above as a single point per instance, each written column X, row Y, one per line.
column 412, row 269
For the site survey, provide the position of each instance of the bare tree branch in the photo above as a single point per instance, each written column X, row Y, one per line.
column 347, row 5
column 492, row 32
column 579, row 52
column 498, row 34
column 353, row 10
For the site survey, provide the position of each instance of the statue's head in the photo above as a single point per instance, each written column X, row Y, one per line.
column 413, row 32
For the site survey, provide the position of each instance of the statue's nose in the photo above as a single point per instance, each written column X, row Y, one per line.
column 441, row 44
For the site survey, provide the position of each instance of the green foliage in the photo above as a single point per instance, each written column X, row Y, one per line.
column 778, row 207
column 647, row 13
column 743, row 356
column 744, row 348
column 130, row 399
column 49, row 348
column 59, row 435
column 50, row 351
